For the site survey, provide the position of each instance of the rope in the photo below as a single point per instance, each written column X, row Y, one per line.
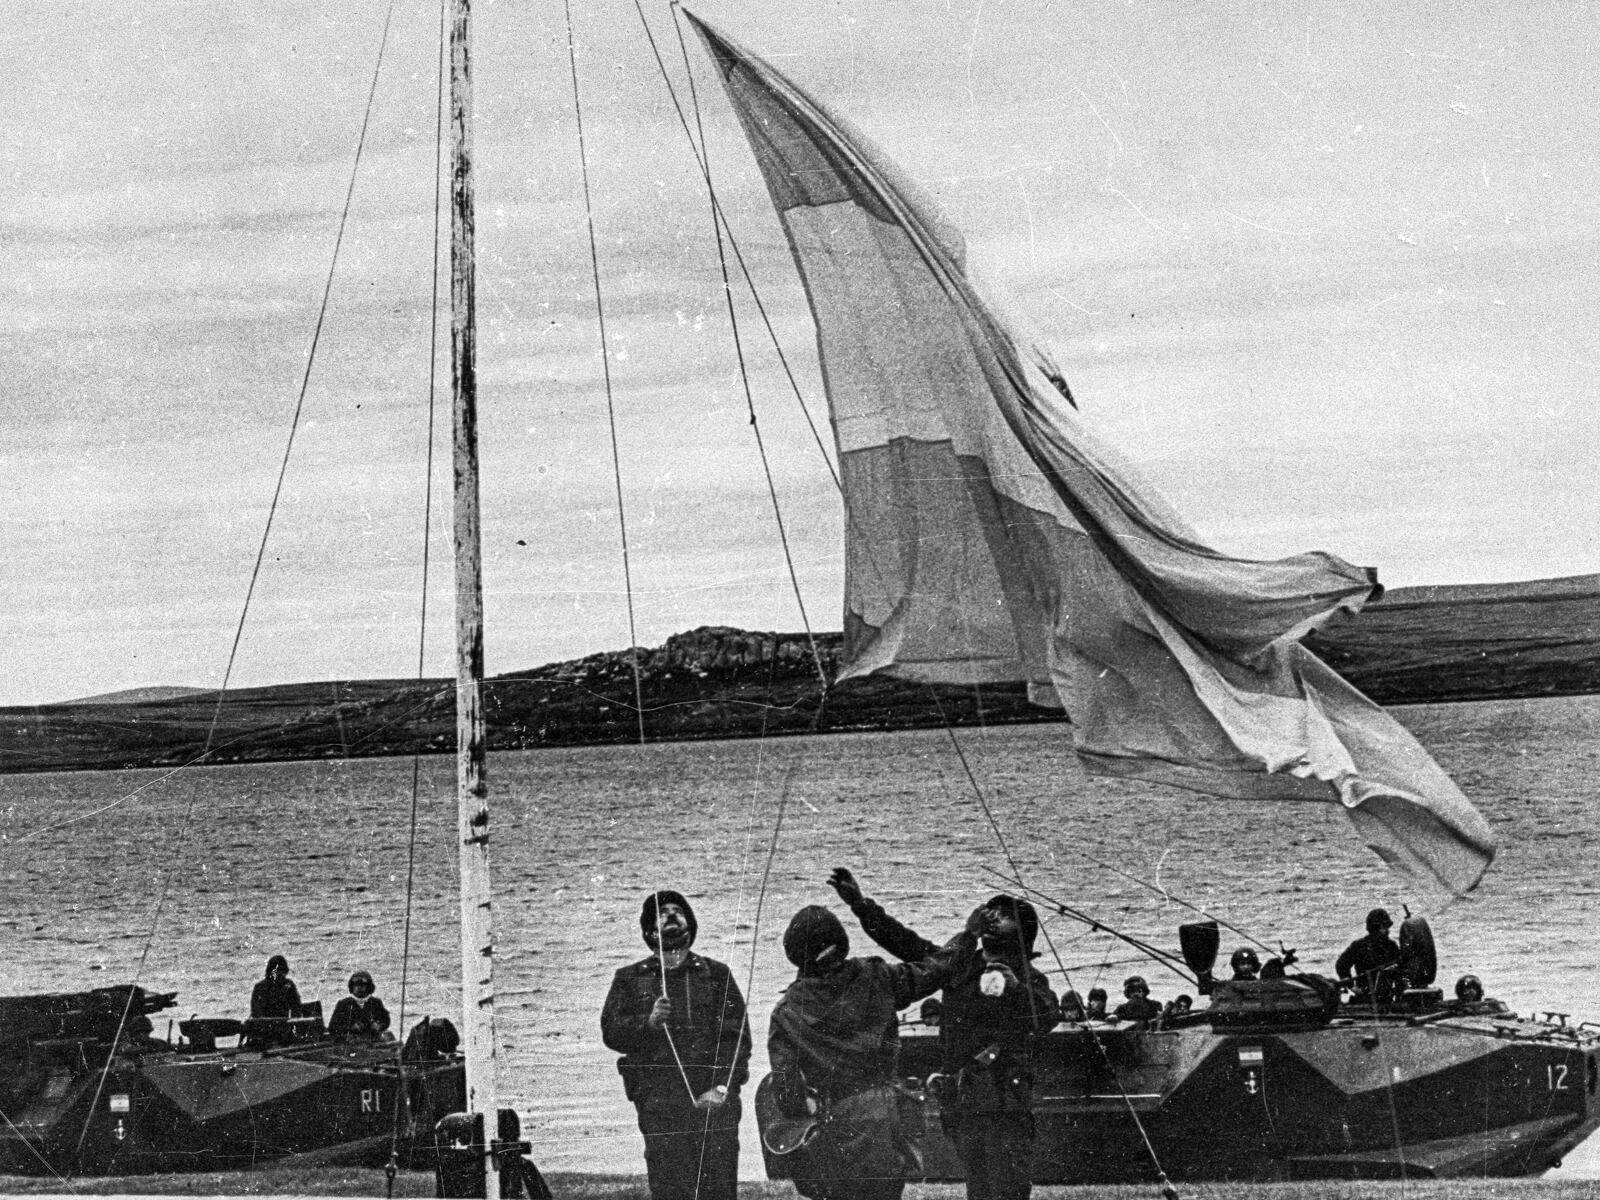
column 1168, row 1191
column 727, row 292
column 1166, row 894
column 233, row 651
column 1162, row 957
column 605, row 364
column 427, row 563
column 761, row 896
column 34, row 1150
column 661, row 958
column 738, row 254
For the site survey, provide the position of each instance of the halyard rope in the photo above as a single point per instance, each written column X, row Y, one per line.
column 605, row 365
column 422, row 616
column 187, row 823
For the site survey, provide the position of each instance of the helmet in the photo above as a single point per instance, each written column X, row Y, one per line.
column 1135, row 983
column 1469, row 989
column 1378, row 919
column 813, row 933
column 1244, row 961
column 361, row 977
column 1026, row 917
column 648, row 918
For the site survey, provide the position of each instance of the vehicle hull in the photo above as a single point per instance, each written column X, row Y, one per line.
column 1374, row 1098
column 80, row 1098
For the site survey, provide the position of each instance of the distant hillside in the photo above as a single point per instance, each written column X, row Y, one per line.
column 1414, row 645
column 142, row 695
column 1471, row 642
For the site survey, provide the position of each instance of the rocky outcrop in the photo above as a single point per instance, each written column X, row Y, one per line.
column 1540, row 639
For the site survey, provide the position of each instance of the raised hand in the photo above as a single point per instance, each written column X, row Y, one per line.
column 980, row 921
column 845, row 884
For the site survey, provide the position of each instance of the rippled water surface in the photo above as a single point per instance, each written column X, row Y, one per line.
column 189, row 882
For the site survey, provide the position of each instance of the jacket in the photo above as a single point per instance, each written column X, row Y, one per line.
column 838, row 1033
column 983, row 1040
column 708, row 1027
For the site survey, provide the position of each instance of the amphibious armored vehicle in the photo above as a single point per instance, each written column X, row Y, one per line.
column 87, row 1088
column 1279, row 1080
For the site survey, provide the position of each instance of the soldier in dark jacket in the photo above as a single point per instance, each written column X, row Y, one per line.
column 275, row 995
column 360, row 1016
column 1136, row 1004
column 1370, row 964
column 678, row 1020
column 992, row 1009
column 834, row 1046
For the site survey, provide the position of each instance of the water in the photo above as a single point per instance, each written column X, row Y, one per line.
column 229, row 865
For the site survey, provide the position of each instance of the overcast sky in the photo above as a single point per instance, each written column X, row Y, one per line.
column 1327, row 271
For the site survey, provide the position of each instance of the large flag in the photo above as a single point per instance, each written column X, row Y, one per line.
column 990, row 538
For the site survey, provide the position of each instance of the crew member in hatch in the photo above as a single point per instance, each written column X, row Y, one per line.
column 275, row 995
column 678, row 1020
column 1137, row 1005
column 1369, row 965
column 360, row 1016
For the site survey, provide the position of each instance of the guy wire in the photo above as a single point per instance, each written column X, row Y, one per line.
column 216, row 713
column 605, row 366
column 427, row 564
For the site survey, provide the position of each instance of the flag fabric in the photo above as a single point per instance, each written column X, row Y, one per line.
column 990, row 537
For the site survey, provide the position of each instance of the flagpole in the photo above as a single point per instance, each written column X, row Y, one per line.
column 472, row 805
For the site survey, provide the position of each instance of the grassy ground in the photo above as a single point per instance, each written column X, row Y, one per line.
column 351, row 1182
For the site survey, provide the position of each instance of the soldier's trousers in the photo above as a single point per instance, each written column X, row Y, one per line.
column 996, row 1150
column 690, row 1154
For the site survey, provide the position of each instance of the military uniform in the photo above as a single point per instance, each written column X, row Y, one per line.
column 987, row 1093
column 835, row 1036
column 1370, row 962
column 690, row 1153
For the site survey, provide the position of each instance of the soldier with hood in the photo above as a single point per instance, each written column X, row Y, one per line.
column 275, row 995
column 834, row 1046
column 678, row 1020
column 992, row 1010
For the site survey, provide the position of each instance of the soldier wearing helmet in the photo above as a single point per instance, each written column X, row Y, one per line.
column 360, row 1016
column 1369, row 964
column 1245, row 964
column 678, row 1020
column 1138, row 1006
column 993, row 1009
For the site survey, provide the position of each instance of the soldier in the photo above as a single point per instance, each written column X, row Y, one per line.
column 275, row 995
column 1137, row 1005
column 1095, row 1008
column 991, row 1011
column 360, row 1016
column 678, row 1020
column 273, row 1002
column 1368, row 964
column 834, row 1045
column 1245, row 964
